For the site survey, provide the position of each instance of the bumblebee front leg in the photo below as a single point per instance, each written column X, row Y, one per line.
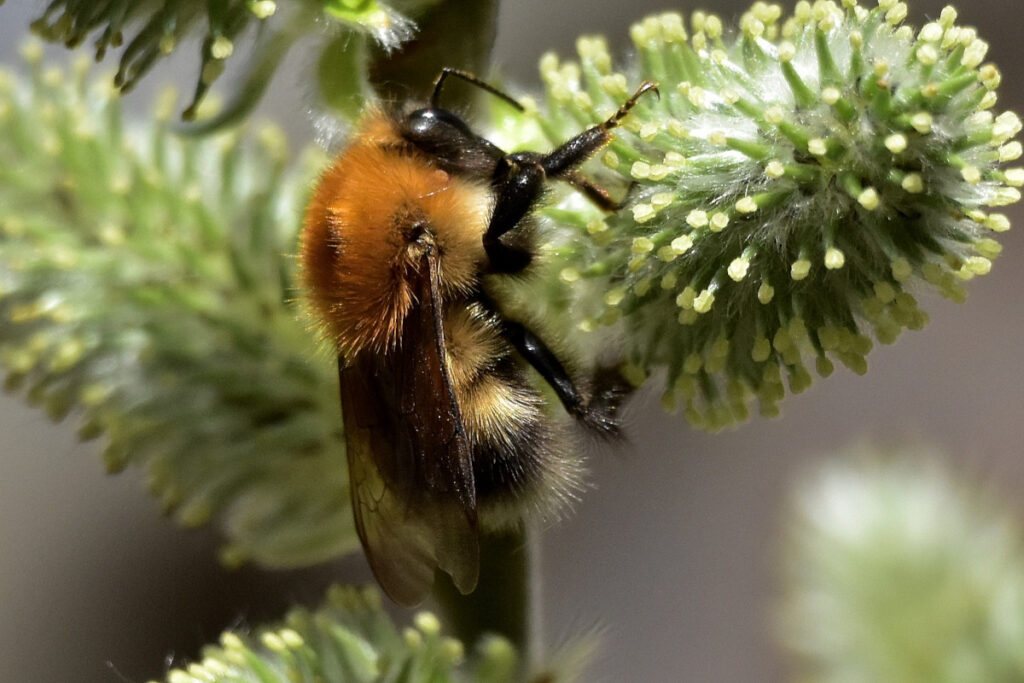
column 561, row 162
column 595, row 193
column 519, row 180
column 598, row 411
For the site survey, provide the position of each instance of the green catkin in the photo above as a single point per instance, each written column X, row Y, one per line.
column 875, row 543
column 728, row 226
column 350, row 637
column 148, row 32
column 159, row 310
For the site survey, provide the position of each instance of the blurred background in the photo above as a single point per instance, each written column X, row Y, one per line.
column 676, row 551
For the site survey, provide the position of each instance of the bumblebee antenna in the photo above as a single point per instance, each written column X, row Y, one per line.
column 471, row 79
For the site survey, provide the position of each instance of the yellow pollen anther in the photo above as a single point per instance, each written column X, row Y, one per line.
column 834, row 258
column 681, row 244
column 922, row 122
column 738, row 268
column 997, row 222
column 927, row 54
column 569, row 275
column 746, row 205
column 896, row 143
column 762, row 350
column 974, row 54
column 901, row 269
column 667, row 255
column 869, row 199
column 913, row 183
column 971, row 174
column 642, row 245
column 427, row 622
column 1004, row 196
column 692, row 364
column 704, row 301
column 1014, row 177
column 263, row 8
column 1011, row 151
column 640, row 170
column 660, row 200
column 930, row 32
column 885, row 292
column 221, row 48
column 648, row 130
column 674, row 159
column 614, row 296
column 686, row 297
column 774, row 115
column 660, row 172
column 978, row 265
column 697, row 218
column 643, row 213
column 897, row 14
column 800, row 269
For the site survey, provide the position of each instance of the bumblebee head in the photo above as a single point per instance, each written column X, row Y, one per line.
column 448, row 141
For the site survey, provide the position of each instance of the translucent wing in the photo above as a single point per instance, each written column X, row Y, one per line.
column 411, row 474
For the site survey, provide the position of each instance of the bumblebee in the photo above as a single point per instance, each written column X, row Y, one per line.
column 402, row 241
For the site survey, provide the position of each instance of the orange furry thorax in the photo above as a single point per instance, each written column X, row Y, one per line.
column 363, row 236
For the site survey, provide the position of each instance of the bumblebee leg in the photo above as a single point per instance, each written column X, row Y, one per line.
column 519, row 179
column 561, row 162
column 598, row 412
column 518, row 184
column 595, row 193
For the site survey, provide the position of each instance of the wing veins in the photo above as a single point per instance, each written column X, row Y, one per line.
column 410, row 465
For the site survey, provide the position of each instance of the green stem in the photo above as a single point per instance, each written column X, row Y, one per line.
column 501, row 602
column 455, row 33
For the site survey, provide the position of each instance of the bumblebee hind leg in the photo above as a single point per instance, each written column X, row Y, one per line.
column 608, row 391
column 596, row 409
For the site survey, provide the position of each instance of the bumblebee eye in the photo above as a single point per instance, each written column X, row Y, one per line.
column 449, row 143
column 420, row 123
column 434, row 126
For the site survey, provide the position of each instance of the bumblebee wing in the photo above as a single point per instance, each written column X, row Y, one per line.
column 411, row 473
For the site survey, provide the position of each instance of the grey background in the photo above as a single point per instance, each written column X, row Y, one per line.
column 676, row 550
